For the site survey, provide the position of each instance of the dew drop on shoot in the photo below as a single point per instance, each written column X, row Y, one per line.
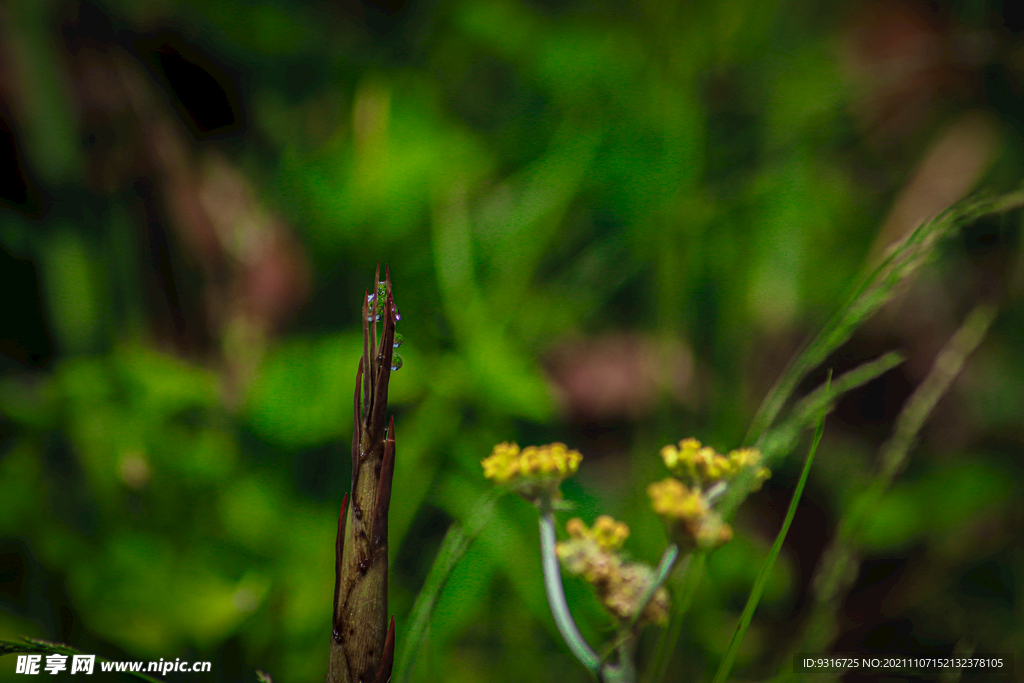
column 396, row 362
column 373, row 314
column 398, row 339
column 382, row 297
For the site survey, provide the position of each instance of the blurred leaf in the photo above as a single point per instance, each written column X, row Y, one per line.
column 762, row 577
column 806, row 93
column 252, row 512
column 401, row 156
column 507, row 27
column 456, row 542
column 47, row 116
column 72, row 290
column 871, row 293
column 266, row 28
column 783, row 438
column 303, row 394
column 23, row 488
column 936, row 504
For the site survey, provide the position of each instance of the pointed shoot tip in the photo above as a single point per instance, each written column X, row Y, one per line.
column 388, row 659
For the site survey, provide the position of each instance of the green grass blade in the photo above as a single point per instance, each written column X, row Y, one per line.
column 455, row 544
column 919, row 406
column 781, row 440
column 874, row 290
column 689, row 579
column 840, row 559
column 762, row 578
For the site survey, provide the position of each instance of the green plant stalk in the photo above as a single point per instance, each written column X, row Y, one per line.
column 762, row 578
column 782, row 439
column 626, row 639
column 556, row 594
column 691, row 574
column 777, row 442
column 838, row 568
column 872, row 292
column 363, row 643
column 948, row 365
column 625, row 670
column 455, row 544
column 665, row 566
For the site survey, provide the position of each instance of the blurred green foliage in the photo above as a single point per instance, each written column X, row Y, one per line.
column 703, row 176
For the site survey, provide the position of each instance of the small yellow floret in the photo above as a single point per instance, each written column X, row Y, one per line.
column 503, row 463
column 591, row 553
column 535, row 471
column 555, row 458
column 610, row 534
column 671, row 498
column 507, row 462
column 576, row 528
column 701, row 465
column 689, row 518
column 742, row 458
column 606, row 532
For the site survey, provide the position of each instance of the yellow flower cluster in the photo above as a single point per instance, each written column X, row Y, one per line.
column 607, row 533
column 534, row 471
column 672, row 498
column 701, row 465
column 592, row 554
column 686, row 512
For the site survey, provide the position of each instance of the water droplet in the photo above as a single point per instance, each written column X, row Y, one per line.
column 398, row 314
column 396, row 362
column 370, row 299
column 398, row 339
column 382, row 297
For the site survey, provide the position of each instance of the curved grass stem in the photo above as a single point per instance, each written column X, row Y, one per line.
column 556, row 595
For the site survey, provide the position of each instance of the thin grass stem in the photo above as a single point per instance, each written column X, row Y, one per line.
column 456, row 542
column 873, row 290
column 838, row 568
column 668, row 561
column 692, row 571
column 762, row 578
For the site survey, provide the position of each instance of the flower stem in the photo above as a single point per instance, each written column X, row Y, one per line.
column 556, row 595
column 691, row 572
column 668, row 561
